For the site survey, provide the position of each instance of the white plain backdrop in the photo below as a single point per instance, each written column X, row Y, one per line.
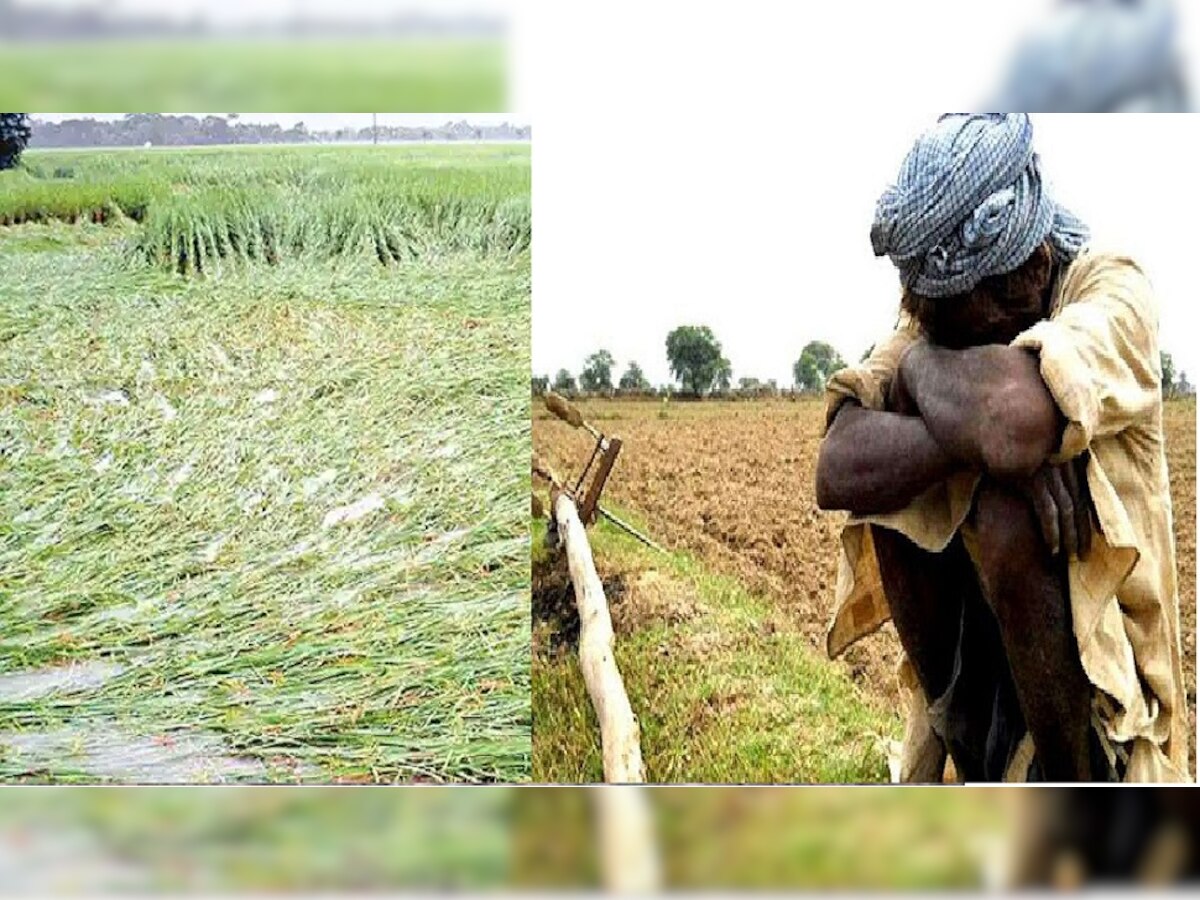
column 719, row 163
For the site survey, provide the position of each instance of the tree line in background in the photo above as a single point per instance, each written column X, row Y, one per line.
column 700, row 369
column 157, row 129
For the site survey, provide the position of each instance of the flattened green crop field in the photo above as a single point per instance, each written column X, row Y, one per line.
column 264, row 428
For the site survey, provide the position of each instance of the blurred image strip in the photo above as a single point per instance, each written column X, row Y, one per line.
column 256, row 55
column 542, row 839
column 1098, row 56
column 817, row 838
column 77, row 840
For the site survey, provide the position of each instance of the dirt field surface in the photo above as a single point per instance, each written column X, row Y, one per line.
column 733, row 483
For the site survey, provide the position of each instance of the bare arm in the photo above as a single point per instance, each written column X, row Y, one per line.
column 987, row 407
column 877, row 462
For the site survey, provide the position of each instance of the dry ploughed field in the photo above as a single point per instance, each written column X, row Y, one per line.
column 732, row 483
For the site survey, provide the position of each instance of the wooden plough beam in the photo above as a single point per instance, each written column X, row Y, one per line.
column 620, row 735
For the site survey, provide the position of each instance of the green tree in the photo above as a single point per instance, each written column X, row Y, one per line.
column 817, row 362
column 15, row 132
column 634, row 380
column 694, row 354
column 564, row 382
column 724, row 375
column 1168, row 373
column 540, row 384
column 596, row 376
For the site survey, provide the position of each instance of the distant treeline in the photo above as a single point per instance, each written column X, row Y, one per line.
column 746, row 389
column 698, row 364
column 138, row 129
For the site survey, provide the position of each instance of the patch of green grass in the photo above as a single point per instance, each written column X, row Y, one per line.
column 52, row 237
column 829, row 838
column 725, row 691
column 287, row 500
column 256, row 75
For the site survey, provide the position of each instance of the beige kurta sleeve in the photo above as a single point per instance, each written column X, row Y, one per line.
column 1099, row 358
column 1099, row 350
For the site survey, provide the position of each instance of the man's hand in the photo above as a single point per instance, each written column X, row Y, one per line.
column 1063, row 505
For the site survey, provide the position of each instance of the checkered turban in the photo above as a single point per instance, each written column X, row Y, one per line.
column 969, row 203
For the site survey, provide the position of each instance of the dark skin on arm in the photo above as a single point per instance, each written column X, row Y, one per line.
column 987, row 406
column 875, row 462
column 984, row 408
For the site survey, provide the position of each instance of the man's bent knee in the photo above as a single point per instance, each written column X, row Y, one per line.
column 1009, row 543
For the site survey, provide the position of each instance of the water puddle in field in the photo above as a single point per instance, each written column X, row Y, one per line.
column 126, row 612
column 107, row 752
column 22, row 687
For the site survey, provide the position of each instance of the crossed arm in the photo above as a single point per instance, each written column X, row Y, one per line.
column 984, row 409
column 877, row 462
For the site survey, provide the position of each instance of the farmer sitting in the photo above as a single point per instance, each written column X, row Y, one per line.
column 1002, row 455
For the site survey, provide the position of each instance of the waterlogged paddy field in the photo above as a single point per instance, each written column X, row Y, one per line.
column 261, row 516
column 724, row 642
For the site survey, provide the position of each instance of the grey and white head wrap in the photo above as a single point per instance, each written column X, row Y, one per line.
column 969, row 203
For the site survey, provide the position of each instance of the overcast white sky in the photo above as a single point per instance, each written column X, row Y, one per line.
column 744, row 200
column 790, row 260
